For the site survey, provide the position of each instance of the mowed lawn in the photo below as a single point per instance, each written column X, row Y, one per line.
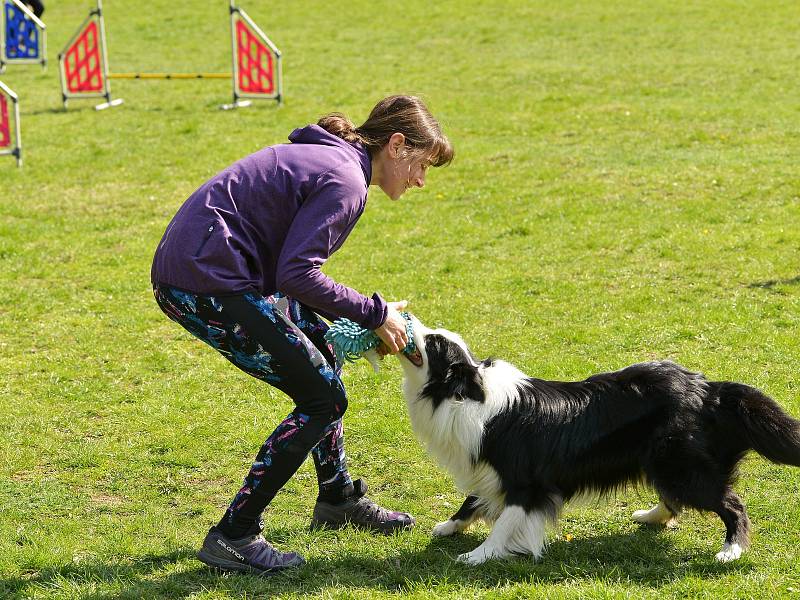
column 626, row 187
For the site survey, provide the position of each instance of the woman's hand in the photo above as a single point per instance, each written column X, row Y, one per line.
column 393, row 331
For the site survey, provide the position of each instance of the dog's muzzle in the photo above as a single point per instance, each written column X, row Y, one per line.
column 415, row 357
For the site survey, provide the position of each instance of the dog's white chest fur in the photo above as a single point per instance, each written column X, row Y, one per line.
column 453, row 432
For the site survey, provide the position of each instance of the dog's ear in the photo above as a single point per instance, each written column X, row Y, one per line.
column 464, row 381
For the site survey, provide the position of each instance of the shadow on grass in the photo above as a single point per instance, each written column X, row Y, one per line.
column 771, row 283
column 645, row 557
column 53, row 110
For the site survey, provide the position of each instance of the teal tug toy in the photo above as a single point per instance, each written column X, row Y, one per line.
column 350, row 341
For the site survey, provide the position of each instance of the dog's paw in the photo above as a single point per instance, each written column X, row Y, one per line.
column 473, row 558
column 659, row 515
column 480, row 555
column 729, row 552
column 445, row 528
column 640, row 516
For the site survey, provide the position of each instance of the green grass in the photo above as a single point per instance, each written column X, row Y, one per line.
column 625, row 187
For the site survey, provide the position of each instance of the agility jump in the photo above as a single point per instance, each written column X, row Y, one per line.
column 23, row 36
column 256, row 73
column 9, row 100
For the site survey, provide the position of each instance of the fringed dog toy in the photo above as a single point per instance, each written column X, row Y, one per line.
column 350, row 341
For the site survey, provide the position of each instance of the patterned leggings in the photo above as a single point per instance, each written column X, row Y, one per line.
column 280, row 341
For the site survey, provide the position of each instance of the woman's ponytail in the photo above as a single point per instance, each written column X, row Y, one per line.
column 340, row 126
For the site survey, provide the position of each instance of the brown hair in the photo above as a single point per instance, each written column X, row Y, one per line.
column 396, row 114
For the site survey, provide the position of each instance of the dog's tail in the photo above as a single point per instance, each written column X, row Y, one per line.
column 768, row 429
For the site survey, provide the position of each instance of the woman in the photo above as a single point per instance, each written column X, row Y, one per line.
column 239, row 267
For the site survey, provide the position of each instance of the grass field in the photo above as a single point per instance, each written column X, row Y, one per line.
column 625, row 187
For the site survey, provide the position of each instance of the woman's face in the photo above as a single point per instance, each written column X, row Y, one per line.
column 400, row 169
column 404, row 172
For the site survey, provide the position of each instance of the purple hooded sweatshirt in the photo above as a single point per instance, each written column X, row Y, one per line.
column 269, row 222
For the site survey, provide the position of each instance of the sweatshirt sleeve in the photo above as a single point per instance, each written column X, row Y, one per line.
column 325, row 219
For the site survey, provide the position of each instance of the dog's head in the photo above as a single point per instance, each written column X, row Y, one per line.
column 443, row 366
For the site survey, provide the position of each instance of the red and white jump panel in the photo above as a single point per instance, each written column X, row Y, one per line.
column 83, row 64
column 10, row 135
column 257, row 72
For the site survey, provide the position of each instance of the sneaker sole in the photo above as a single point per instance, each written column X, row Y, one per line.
column 228, row 565
column 321, row 525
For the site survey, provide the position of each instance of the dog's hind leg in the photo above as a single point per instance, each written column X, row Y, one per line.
column 688, row 473
column 661, row 514
column 737, row 526
column 470, row 511
column 704, row 494
column 516, row 531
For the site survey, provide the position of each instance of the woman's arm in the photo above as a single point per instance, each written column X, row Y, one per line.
column 321, row 225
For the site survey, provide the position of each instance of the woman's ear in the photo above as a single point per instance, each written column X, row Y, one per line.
column 396, row 143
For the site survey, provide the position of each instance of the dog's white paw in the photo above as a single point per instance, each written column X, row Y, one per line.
column 658, row 515
column 445, row 528
column 480, row 555
column 729, row 552
column 473, row 558
column 641, row 516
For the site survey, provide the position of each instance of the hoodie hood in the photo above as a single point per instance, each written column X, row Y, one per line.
column 314, row 134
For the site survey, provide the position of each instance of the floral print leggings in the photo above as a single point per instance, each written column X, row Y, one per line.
column 281, row 341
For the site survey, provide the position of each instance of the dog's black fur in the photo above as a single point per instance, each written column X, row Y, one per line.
column 654, row 422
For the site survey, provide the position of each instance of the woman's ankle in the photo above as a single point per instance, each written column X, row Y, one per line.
column 336, row 495
column 238, row 528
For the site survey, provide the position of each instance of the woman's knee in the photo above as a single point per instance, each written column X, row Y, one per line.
column 329, row 404
column 339, row 406
column 337, row 403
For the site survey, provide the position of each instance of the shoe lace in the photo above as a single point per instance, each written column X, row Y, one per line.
column 264, row 554
column 368, row 511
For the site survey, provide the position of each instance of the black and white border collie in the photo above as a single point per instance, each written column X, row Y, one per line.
column 520, row 447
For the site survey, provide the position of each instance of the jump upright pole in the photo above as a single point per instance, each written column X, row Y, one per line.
column 104, row 48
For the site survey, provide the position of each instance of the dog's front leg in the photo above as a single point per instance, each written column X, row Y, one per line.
column 516, row 531
column 464, row 517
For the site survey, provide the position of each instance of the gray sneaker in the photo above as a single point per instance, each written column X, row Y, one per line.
column 359, row 511
column 251, row 554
